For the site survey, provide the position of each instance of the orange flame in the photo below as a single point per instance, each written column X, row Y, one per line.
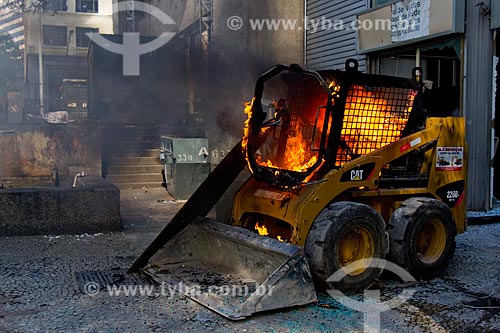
column 246, row 129
column 296, row 154
column 334, row 88
column 370, row 123
column 261, row 230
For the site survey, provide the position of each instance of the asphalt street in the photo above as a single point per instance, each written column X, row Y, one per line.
column 41, row 286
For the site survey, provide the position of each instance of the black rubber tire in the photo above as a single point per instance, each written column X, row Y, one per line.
column 323, row 244
column 404, row 227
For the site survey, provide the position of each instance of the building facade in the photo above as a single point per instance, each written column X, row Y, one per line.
column 11, row 22
column 11, row 26
column 61, row 31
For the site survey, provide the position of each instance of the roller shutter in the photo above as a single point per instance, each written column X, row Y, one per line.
column 329, row 46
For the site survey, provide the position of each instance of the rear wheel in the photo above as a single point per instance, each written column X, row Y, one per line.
column 422, row 237
column 343, row 233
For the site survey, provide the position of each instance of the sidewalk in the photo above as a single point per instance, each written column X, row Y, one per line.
column 490, row 216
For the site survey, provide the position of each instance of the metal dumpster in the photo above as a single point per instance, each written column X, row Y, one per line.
column 186, row 164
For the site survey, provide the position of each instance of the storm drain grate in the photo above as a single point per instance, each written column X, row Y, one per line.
column 104, row 279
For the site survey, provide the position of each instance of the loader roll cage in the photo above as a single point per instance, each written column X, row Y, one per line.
column 323, row 120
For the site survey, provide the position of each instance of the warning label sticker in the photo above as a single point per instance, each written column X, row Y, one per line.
column 450, row 158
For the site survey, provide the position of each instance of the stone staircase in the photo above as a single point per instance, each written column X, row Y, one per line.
column 132, row 158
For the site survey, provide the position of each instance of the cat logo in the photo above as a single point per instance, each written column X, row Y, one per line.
column 357, row 175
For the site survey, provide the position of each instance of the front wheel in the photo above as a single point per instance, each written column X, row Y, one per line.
column 343, row 233
column 422, row 237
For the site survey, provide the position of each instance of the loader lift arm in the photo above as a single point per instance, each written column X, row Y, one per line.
column 199, row 204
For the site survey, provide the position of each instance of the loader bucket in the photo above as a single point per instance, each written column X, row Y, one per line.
column 233, row 271
column 196, row 256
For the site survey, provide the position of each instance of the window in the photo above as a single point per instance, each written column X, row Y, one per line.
column 380, row 2
column 87, row 6
column 82, row 40
column 56, row 5
column 55, row 35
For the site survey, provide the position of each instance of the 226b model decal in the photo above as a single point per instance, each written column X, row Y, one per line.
column 451, row 194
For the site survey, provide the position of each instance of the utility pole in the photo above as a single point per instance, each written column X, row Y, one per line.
column 130, row 17
column 206, row 31
column 40, row 66
column 206, row 22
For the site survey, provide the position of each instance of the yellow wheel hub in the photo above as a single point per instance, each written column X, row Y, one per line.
column 431, row 241
column 356, row 244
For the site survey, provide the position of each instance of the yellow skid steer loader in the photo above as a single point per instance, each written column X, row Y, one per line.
column 344, row 167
